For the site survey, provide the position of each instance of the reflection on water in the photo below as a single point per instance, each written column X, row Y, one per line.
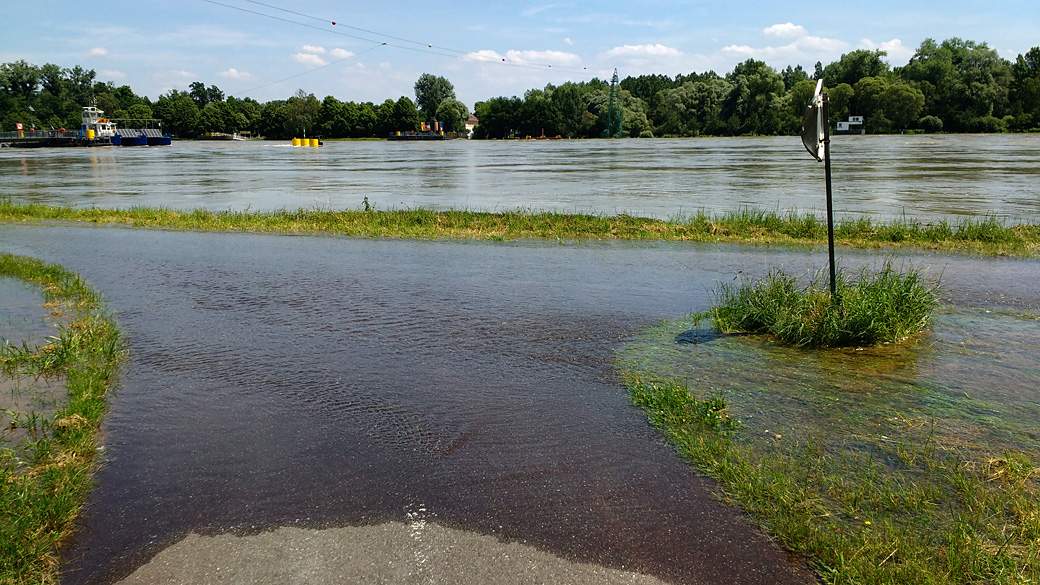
column 21, row 312
column 920, row 177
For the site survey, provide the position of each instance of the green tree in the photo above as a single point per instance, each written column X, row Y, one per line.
column 430, row 92
column 755, row 103
column 221, row 117
column 248, row 111
column 1024, row 96
column 798, row 99
column 405, row 116
column 498, row 117
column 20, row 79
column 333, row 118
column 300, row 114
column 385, row 118
column 852, row 67
column 178, row 112
column 964, row 83
column 139, row 112
column 869, row 102
column 366, row 121
column 202, row 95
column 903, row 104
column 647, row 87
column 79, row 83
column 794, row 76
column 840, row 98
column 693, row 109
column 453, row 114
column 570, row 106
column 270, row 124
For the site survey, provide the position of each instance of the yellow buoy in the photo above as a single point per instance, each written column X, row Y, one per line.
column 90, row 134
column 314, row 142
column 295, row 141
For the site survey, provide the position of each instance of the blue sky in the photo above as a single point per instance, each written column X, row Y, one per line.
column 269, row 50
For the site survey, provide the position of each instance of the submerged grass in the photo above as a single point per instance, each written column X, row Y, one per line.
column 882, row 307
column 881, row 511
column 987, row 236
column 44, row 479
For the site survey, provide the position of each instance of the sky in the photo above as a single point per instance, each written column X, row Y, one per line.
column 373, row 51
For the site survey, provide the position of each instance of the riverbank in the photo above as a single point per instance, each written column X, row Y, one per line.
column 987, row 236
column 46, row 472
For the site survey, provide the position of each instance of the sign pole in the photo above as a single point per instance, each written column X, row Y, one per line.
column 816, row 136
column 830, row 206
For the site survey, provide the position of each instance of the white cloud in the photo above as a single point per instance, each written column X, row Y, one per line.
column 233, row 73
column 656, row 50
column 485, row 55
column 98, row 52
column 535, row 11
column 650, row 58
column 309, row 59
column 313, row 49
column 182, row 75
column 548, row 58
column 567, row 41
column 787, row 30
column 897, row 54
column 111, row 75
column 805, row 49
column 342, row 53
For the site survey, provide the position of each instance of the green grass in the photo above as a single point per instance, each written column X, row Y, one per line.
column 882, row 307
column 907, row 509
column 44, row 479
column 988, row 236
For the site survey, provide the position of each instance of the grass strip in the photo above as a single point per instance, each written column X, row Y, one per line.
column 45, row 479
column 978, row 236
column 869, row 511
column 886, row 306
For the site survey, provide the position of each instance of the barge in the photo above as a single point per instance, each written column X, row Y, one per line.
column 95, row 130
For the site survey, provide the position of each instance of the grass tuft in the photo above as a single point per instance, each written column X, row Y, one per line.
column 884, row 307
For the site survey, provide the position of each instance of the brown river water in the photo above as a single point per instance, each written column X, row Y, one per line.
column 321, row 382
column 917, row 177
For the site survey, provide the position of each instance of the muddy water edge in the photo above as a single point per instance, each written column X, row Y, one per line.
column 277, row 381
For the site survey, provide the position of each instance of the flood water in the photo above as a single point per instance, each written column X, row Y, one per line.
column 23, row 320
column 314, row 381
column 327, row 381
column 925, row 178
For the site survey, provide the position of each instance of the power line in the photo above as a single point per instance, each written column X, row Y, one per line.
column 417, row 45
column 337, row 23
column 313, row 70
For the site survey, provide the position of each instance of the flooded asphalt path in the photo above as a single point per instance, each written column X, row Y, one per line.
column 342, row 384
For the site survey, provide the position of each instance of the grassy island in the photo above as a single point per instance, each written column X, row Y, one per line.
column 881, row 307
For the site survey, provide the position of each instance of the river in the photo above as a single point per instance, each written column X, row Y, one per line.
column 920, row 177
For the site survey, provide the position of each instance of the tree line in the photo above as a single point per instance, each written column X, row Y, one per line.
column 952, row 86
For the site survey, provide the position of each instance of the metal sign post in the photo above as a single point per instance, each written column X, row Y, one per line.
column 830, row 206
column 816, row 137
